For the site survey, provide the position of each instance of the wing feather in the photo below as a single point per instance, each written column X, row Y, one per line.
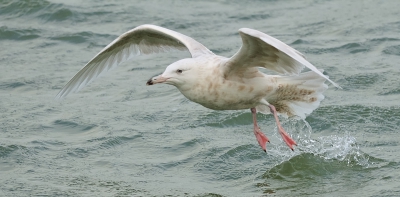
column 262, row 50
column 144, row 39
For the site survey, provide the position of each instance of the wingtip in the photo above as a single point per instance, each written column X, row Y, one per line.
column 58, row 96
column 62, row 94
column 330, row 81
column 336, row 85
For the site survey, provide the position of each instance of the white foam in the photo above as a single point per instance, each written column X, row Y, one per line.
column 341, row 147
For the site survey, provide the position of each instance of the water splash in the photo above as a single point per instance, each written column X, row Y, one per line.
column 341, row 147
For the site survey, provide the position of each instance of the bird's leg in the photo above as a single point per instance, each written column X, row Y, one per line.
column 261, row 138
column 288, row 140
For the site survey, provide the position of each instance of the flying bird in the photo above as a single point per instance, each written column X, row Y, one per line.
column 221, row 83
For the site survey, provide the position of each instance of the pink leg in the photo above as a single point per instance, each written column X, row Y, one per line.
column 288, row 140
column 261, row 138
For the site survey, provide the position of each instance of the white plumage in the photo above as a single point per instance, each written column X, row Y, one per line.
column 217, row 82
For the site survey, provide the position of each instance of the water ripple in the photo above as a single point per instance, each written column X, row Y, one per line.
column 42, row 10
column 22, row 7
column 247, row 17
column 308, row 170
column 355, row 47
column 68, row 126
column 57, row 13
column 364, row 116
column 392, row 50
column 346, row 48
column 221, row 119
column 18, row 34
column 362, row 81
column 6, row 150
column 79, row 37
column 11, row 85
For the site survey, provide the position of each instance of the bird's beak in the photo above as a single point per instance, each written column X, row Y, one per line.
column 156, row 79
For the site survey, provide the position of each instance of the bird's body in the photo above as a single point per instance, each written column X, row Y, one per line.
column 215, row 91
column 221, row 83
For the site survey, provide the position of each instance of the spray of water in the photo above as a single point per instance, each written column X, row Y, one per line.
column 342, row 146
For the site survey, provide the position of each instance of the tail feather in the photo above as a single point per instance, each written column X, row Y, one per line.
column 296, row 95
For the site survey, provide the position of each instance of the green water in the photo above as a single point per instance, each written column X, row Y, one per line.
column 119, row 137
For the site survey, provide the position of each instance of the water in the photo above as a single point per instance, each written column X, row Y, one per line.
column 118, row 137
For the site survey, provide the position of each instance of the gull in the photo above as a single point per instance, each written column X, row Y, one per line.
column 222, row 83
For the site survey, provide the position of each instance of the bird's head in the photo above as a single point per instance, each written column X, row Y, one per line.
column 179, row 74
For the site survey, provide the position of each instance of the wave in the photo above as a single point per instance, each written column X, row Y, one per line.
column 11, row 85
column 372, row 118
column 18, row 8
column 317, row 163
column 312, row 175
column 331, row 141
column 221, row 119
column 250, row 17
column 394, row 90
column 340, row 149
column 17, row 34
column 352, row 47
column 81, row 37
column 362, row 81
column 7, row 150
column 112, row 141
column 392, row 50
column 43, row 10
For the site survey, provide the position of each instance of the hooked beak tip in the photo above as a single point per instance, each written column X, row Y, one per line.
column 156, row 79
column 149, row 82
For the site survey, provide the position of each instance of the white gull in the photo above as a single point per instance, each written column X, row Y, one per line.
column 218, row 82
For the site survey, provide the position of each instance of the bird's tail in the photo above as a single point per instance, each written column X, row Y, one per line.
column 296, row 95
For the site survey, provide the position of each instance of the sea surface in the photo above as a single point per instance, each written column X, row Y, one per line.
column 119, row 137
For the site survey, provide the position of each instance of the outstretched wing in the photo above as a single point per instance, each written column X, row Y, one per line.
column 262, row 50
column 144, row 39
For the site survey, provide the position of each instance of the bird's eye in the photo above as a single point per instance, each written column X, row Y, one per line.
column 179, row 71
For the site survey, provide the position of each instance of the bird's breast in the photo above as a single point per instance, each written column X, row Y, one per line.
column 221, row 94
